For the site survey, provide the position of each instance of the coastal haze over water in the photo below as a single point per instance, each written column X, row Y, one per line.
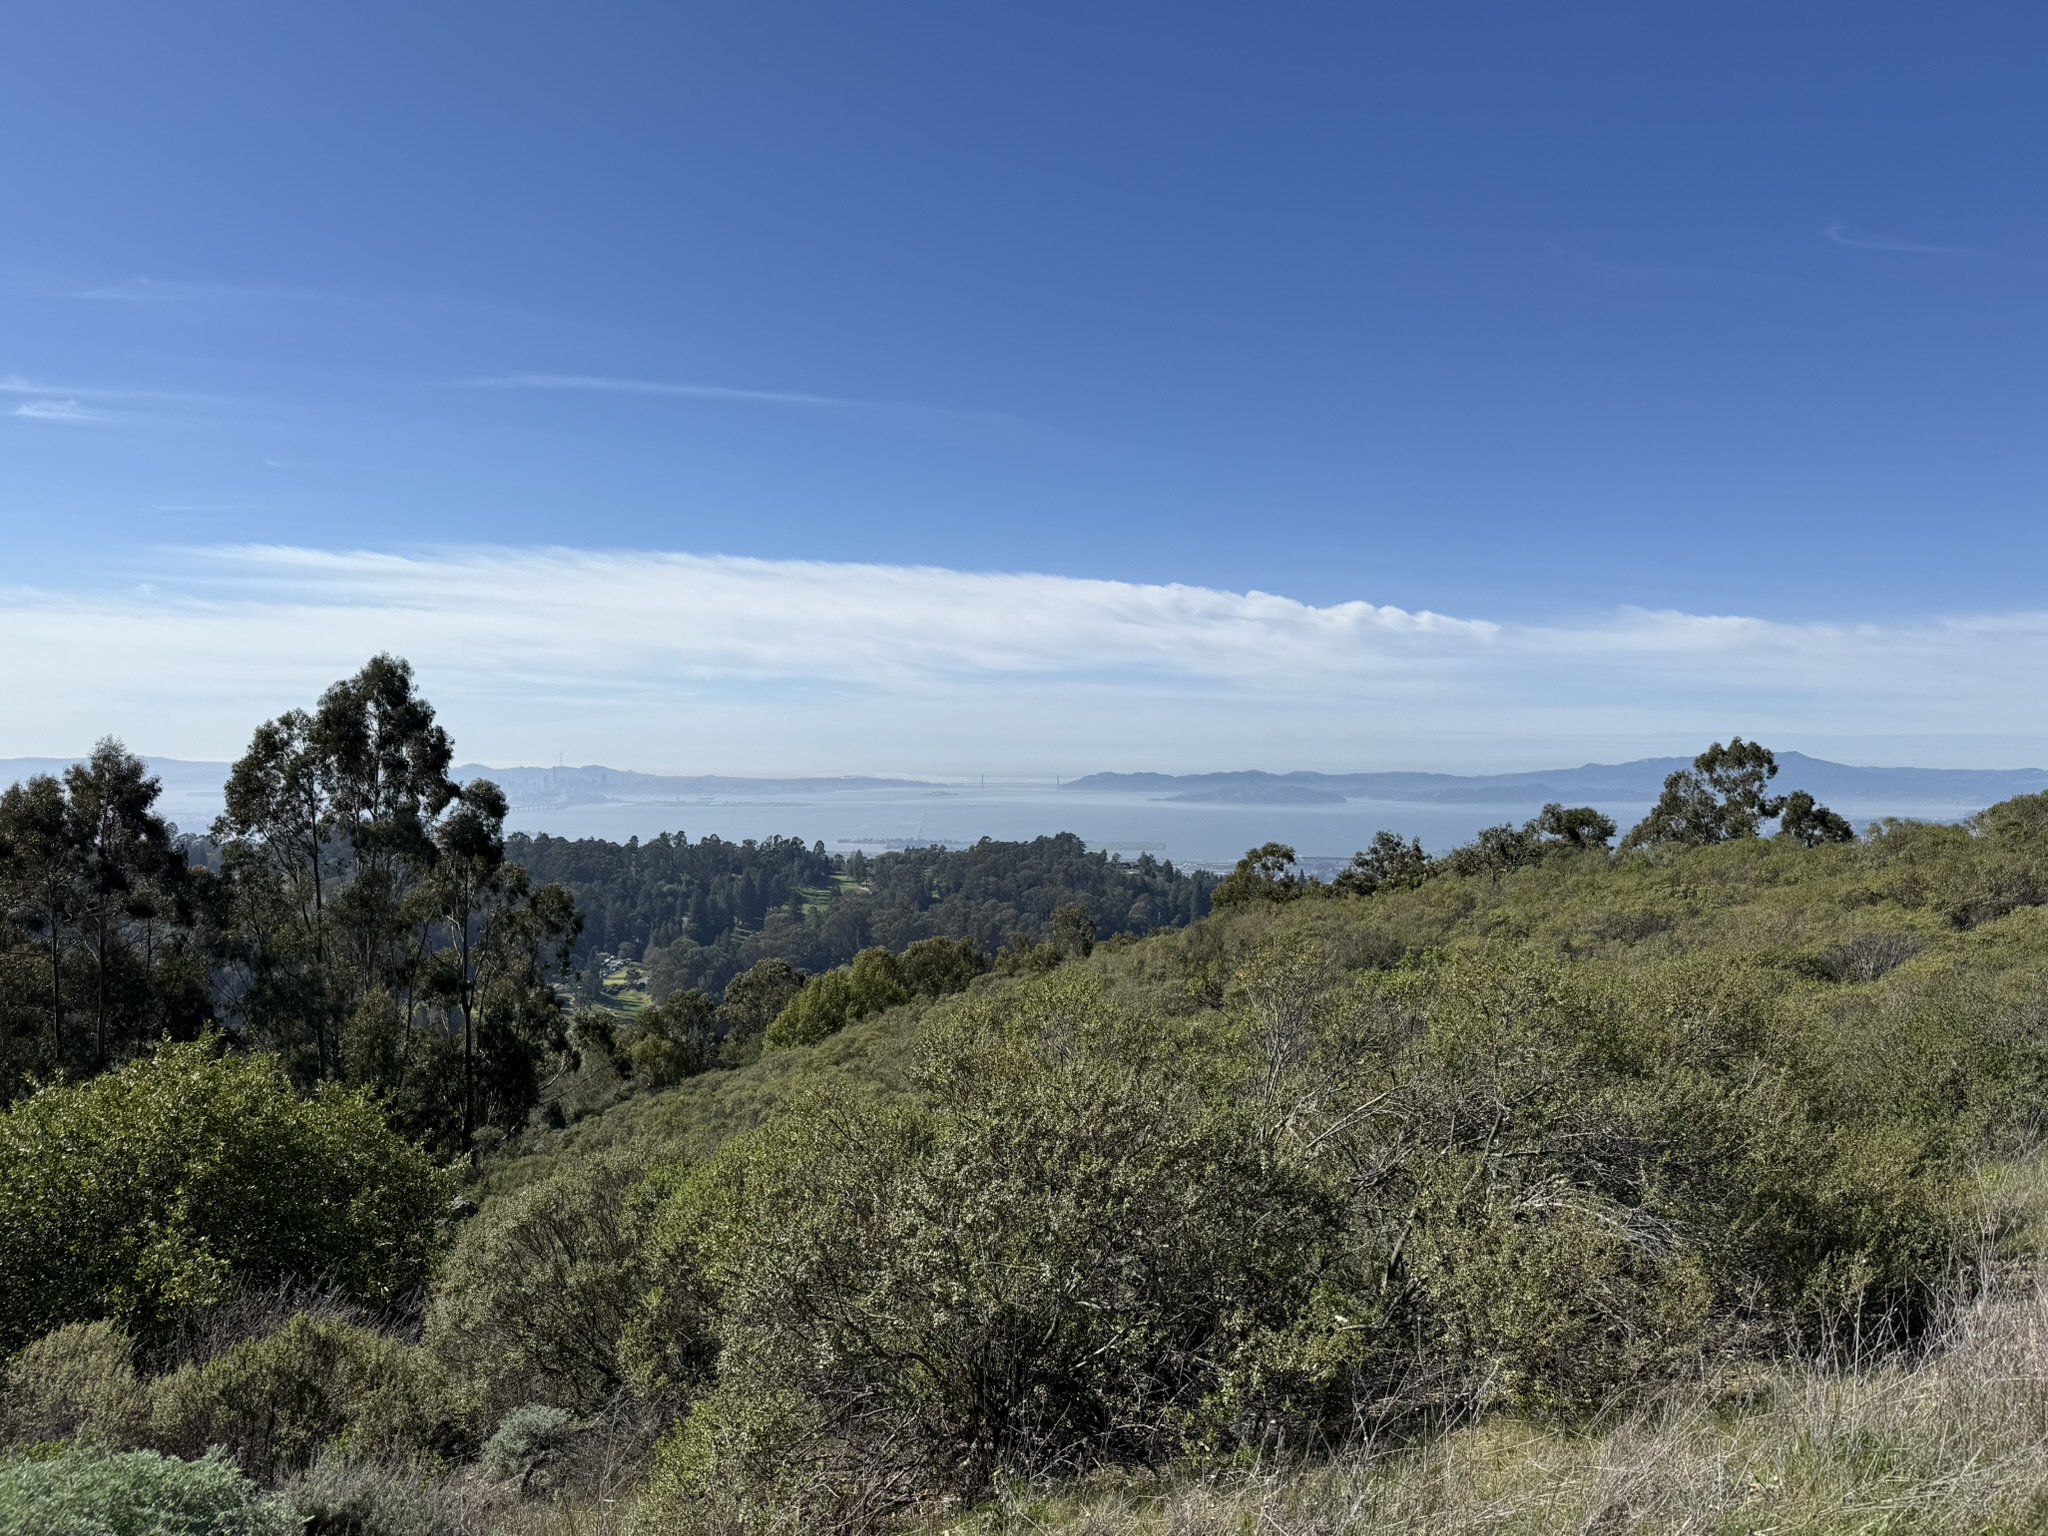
column 1205, row 819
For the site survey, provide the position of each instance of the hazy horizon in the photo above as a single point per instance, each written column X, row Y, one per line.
column 1175, row 819
column 1019, row 778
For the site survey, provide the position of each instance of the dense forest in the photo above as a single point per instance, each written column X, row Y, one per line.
column 698, row 914
column 1682, row 1180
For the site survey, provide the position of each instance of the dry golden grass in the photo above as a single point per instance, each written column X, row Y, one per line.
column 1953, row 1442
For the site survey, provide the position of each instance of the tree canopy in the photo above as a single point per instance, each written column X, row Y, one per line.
column 1725, row 796
column 104, row 929
column 375, row 932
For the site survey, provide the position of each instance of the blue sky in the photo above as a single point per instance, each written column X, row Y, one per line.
column 1541, row 318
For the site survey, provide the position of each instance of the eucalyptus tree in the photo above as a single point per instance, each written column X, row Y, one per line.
column 97, row 917
column 1725, row 795
column 1808, row 823
column 40, row 864
column 1388, row 865
column 1266, row 873
column 1576, row 826
column 131, row 882
column 328, row 830
column 379, row 933
column 503, row 944
column 1739, row 775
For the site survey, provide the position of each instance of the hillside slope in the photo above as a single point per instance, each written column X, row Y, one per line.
column 1680, row 1190
column 1830, row 931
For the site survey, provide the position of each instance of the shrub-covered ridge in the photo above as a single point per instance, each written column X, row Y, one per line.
column 1479, row 1164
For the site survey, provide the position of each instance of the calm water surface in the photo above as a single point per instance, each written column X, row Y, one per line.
column 1198, row 834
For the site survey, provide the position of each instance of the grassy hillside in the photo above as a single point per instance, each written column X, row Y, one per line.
column 1680, row 1190
column 869, row 1059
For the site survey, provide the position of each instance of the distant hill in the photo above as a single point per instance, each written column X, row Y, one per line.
column 192, row 789
column 1639, row 780
column 178, row 774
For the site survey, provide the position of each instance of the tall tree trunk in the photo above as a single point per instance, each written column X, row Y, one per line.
column 56, row 986
column 319, row 957
column 149, row 976
column 468, row 1048
column 100, row 1003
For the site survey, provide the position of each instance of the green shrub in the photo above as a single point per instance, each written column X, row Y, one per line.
column 1507, row 1240
column 341, row 1497
column 278, row 1401
column 1812, row 1154
column 674, row 1039
column 941, row 967
column 527, row 1440
column 531, row 1304
column 767, row 1462
column 157, row 1187
column 139, row 1493
column 877, row 980
column 821, row 1009
column 752, row 1001
column 76, row 1383
column 1059, row 1258
column 1748, row 1164
column 1556, row 1299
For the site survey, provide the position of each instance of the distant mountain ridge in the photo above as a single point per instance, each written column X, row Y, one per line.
column 1638, row 780
column 177, row 773
column 192, row 789
column 584, row 784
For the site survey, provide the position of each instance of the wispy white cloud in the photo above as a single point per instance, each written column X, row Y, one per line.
column 137, row 290
column 16, row 384
column 1839, row 234
column 56, row 410
column 589, row 383
column 598, row 384
column 151, row 290
column 667, row 660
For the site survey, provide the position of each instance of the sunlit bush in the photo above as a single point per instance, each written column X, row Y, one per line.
column 276, row 1402
column 88, row 1492
column 76, row 1383
column 160, row 1186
